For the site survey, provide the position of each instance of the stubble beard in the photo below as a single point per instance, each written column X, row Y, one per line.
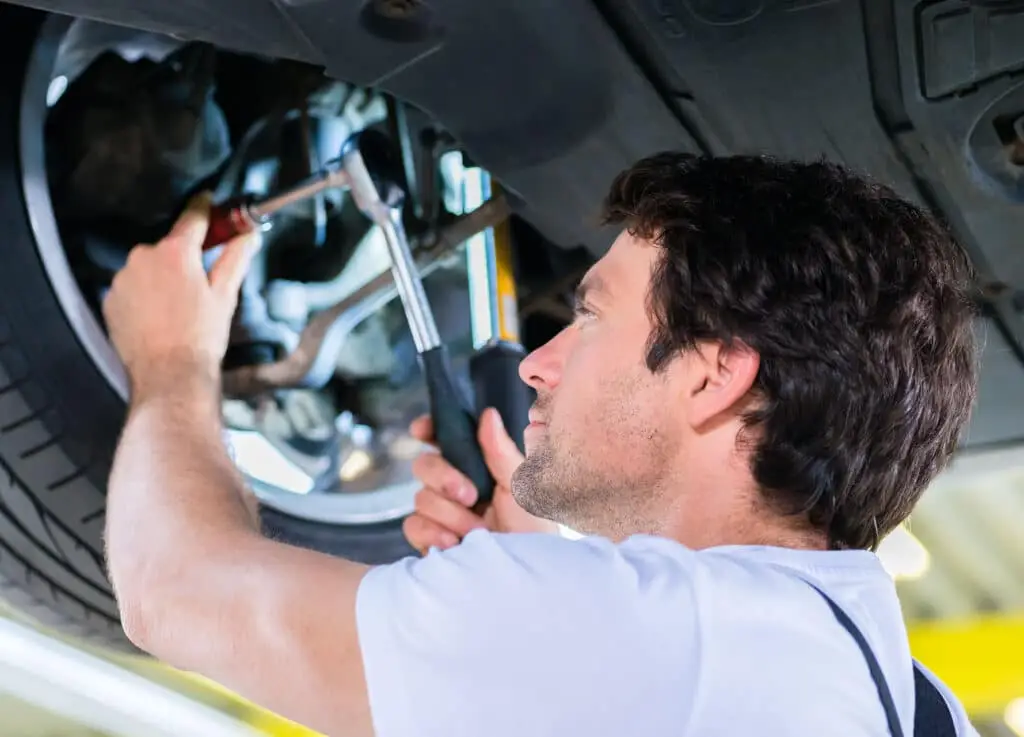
column 532, row 487
column 564, row 486
column 556, row 485
column 607, row 485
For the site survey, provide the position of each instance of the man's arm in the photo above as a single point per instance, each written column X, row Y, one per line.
column 197, row 584
column 201, row 589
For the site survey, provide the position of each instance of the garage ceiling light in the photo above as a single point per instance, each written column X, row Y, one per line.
column 903, row 555
column 1014, row 716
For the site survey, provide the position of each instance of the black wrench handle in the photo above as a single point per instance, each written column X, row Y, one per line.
column 455, row 423
column 495, row 374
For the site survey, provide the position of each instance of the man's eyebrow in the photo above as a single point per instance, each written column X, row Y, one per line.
column 589, row 285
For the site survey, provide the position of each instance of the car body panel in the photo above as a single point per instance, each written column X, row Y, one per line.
column 554, row 145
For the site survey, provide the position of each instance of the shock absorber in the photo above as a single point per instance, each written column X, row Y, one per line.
column 494, row 310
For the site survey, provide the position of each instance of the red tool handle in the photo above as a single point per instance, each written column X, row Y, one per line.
column 227, row 220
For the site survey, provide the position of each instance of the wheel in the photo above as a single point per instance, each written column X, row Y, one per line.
column 62, row 391
column 58, row 414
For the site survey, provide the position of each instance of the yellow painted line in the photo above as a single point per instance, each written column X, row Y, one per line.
column 258, row 718
column 245, row 711
column 980, row 658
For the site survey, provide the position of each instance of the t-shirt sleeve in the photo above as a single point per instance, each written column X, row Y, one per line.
column 525, row 635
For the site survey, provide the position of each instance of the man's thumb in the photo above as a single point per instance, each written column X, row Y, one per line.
column 500, row 452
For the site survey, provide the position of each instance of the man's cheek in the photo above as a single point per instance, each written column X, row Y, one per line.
column 578, row 418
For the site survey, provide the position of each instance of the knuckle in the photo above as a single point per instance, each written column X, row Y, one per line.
column 419, row 467
column 136, row 254
column 452, row 516
column 421, row 428
column 429, row 504
column 421, row 500
column 431, row 469
column 113, row 294
column 416, row 528
column 424, row 534
column 411, row 528
column 171, row 241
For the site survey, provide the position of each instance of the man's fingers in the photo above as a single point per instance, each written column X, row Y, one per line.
column 189, row 230
column 228, row 273
column 450, row 515
column 424, row 534
column 422, row 428
column 500, row 452
column 437, row 473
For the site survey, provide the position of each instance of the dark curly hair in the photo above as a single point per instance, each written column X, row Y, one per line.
column 858, row 303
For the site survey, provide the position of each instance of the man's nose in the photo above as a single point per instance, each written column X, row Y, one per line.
column 542, row 369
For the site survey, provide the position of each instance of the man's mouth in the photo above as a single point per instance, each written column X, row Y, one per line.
column 538, row 414
column 537, row 423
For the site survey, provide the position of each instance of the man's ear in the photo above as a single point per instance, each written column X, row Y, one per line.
column 723, row 376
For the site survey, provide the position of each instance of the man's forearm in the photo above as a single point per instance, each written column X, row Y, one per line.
column 197, row 585
column 174, row 495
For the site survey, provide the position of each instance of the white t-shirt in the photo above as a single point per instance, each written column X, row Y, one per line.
column 543, row 636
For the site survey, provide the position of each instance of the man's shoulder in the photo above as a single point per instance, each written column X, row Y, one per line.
column 717, row 621
column 642, row 564
column 599, row 556
column 594, row 580
column 570, row 556
column 499, row 559
column 482, row 548
column 715, row 589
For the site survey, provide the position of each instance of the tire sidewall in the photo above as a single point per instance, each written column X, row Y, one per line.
column 59, row 418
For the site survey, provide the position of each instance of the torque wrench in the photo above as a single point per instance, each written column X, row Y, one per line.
column 371, row 166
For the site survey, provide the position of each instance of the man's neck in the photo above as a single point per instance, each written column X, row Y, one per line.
column 775, row 532
column 733, row 512
column 710, row 498
column 699, row 526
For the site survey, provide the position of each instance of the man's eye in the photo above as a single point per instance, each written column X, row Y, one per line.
column 581, row 312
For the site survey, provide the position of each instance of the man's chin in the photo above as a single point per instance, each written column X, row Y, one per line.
column 531, row 483
column 524, row 479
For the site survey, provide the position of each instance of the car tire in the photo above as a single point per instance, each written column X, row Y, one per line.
column 60, row 419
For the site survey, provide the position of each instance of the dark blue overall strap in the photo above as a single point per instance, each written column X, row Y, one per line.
column 884, row 694
column 932, row 717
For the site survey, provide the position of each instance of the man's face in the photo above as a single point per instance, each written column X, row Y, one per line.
column 604, row 428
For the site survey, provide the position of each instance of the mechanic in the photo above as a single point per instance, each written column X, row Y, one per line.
column 764, row 373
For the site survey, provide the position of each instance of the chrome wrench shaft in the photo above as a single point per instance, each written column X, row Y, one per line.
column 386, row 212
